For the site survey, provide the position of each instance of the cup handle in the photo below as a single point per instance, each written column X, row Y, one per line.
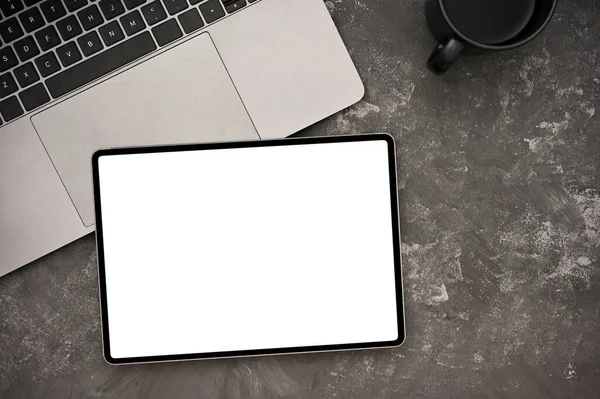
column 444, row 55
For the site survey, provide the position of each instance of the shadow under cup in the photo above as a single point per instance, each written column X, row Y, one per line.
column 477, row 26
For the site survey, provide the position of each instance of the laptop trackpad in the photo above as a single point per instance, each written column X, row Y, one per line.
column 184, row 95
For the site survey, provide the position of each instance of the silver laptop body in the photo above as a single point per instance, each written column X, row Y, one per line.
column 141, row 72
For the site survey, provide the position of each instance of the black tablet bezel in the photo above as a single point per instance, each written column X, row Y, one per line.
column 229, row 145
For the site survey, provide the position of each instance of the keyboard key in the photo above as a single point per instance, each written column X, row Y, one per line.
column 166, row 32
column 31, row 19
column 175, row 6
column 191, row 20
column 90, row 43
column 26, row 75
column 111, row 8
column 47, row 38
column 53, row 10
column 130, row 4
column 31, row 2
column 212, row 10
column 10, row 109
column 10, row 30
column 73, row 5
column 68, row 54
column 68, row 27
column 105, row 62
column 8, row 59
column 10, row 7
column 133, row 23
column 154, row 12
column 26, row 48
column 7, row 85
column 233, row 6
column 90, row 17
column 47, row 64
column 111, row 33
column 34, row 97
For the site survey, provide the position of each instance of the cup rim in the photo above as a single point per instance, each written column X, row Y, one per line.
column 497, row 47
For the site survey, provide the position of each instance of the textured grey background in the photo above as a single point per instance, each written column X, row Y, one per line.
column 498, row 165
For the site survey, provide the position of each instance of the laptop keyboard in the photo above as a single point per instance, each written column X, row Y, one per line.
column 52, row 47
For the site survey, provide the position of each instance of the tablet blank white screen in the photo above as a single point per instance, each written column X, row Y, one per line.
column 248, row 248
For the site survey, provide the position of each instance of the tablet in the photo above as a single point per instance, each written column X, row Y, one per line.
column 248, row 248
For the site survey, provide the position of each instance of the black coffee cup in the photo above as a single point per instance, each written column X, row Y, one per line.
column 475, row 26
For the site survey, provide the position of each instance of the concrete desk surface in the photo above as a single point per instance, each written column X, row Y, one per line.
column 499, row 179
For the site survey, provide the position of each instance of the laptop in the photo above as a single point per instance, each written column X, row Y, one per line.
column 80, row 75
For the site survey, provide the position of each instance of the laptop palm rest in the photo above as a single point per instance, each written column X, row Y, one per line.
column 197, row 103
